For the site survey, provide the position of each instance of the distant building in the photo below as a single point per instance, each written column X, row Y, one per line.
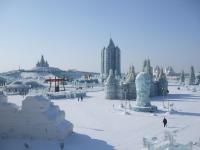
column 42, row 63
column 43, row 66
column 110, row 60
column 169, row 71
column 2, row 81
column 17, row 87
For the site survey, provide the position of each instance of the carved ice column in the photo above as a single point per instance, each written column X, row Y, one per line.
column 143, row 85
column 111, row 86
column 130, row 82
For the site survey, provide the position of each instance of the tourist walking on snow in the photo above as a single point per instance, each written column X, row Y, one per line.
column 81, row 97
column 165, row 122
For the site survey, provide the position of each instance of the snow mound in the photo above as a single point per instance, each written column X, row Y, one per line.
column 38, row 118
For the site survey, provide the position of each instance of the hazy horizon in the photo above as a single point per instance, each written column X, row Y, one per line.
column 71, row 34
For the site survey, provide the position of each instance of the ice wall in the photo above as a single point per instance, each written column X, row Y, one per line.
column 38, row 119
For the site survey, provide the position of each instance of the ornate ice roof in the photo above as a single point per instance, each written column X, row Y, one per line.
column 131, row 75
column 111, row 78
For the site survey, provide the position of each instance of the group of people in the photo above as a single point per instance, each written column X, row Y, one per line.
column 80, row 97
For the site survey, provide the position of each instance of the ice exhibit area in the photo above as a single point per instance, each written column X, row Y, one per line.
column 101, row 124
column 117, row 87
column 38, row 118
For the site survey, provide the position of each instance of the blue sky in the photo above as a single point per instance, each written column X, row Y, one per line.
column 71, row 33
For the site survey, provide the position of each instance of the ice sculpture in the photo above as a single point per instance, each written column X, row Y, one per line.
column 112, row 86
column 163, row 84
column 165, row 142
column 192, row 77
column 143, row 84
column 125, row 88
column 130, row 83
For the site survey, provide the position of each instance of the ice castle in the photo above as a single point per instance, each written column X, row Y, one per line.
column 118, row 88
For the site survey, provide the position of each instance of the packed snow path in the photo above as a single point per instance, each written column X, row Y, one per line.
column 101, row 124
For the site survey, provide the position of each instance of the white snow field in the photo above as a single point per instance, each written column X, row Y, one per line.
column 100, row 124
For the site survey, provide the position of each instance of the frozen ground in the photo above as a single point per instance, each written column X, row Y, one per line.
column 101, row 124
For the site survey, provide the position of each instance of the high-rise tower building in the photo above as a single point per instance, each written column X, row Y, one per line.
column 110, row 59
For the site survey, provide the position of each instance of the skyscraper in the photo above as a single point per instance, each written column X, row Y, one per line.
column 110, row 59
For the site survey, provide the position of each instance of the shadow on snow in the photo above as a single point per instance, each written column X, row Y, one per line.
column 75, row 141
column 177, row 97
column 80, row 141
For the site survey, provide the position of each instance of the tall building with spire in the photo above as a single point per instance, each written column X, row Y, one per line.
column 42, row 63
column 110, row 59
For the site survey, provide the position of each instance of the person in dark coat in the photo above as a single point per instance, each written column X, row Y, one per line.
column 62, row 146
column 26, row 145
column 81, row 97
column 165, row 122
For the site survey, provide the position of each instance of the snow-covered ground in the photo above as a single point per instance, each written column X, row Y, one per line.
column 100, row 124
